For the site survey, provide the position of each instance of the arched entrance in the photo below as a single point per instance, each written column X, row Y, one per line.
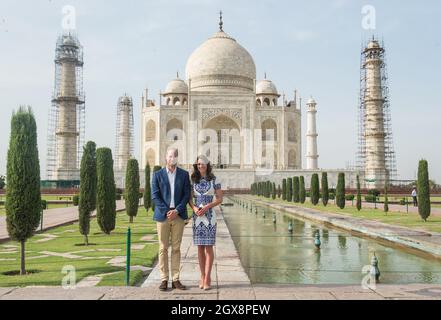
column 221, row 142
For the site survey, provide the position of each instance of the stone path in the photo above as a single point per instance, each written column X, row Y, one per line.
column 55, row 217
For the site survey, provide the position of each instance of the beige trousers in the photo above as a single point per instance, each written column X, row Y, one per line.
column 170, row 229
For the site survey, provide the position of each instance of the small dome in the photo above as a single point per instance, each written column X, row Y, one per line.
column 176, row 86
column 68, row 40
column 373, row 44
column 311, row 101
column 125, row 100
column 266, row 87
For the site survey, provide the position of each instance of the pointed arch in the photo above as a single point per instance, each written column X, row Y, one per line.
column 150, row 131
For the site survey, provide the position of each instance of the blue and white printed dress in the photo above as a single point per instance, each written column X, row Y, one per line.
column 204, row 227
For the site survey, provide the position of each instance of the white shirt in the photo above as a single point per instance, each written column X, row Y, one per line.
column 171, row 180
column 414, row 194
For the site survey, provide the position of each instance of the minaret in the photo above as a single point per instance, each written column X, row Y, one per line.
column 311, row 136
column 68, row 108
column 374, row 130
column 124, row 132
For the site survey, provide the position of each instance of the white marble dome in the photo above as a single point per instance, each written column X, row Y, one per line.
column 220, row 63
column 266, row 87
column 176, row 86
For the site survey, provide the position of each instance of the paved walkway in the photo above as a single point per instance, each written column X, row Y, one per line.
column 55, row 217
column 229, row 281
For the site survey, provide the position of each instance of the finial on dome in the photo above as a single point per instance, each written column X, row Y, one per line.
column 264, row 75
column 220, row 21
column 177, row 74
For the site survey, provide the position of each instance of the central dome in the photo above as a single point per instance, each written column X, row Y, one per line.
column 220, row 63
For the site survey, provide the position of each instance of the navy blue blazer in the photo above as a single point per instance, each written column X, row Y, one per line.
column 161, row 193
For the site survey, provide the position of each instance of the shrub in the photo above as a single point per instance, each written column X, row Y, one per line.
column 315, row 189
column 423, row 190
column 296, row 189
column 374, row 192
column 325, row 190
column 289, row 190
column 87, row 199
column 147, row 188
column 23, row 197
column 370, row 198
column 341, row 191
column 76, row 200
column 358, row 194
column 106, row 191
column 132, row 189
column 350, row 197
column 302, row 191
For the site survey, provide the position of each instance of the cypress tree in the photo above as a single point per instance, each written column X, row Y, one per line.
column 340, row 192
column 147, row 189
column 106, row 190
column 269, row 189
column 358, row 194
column 132, row 188
column 289, row 190
column 295, row 187
column 279, row 191
column 87, row 201
column 386, row 200
column 274, row 190
column 284, row 195
column 423, row 190
column 302, row 191
column 325, row 189
column 315, row 189
column 23, row 197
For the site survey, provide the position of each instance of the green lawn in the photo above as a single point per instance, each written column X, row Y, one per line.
column 409, row 198
column 410, row 220
column 103, row 247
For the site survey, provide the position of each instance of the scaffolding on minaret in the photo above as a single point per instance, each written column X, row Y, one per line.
column 367, row 95
column 66, row 119
column 124, row 132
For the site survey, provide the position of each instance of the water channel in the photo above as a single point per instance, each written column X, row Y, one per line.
column 271, row 254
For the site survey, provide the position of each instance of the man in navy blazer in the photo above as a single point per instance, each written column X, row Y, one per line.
column 171, row 193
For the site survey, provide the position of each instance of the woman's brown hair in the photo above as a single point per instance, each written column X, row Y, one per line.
column 196, row 175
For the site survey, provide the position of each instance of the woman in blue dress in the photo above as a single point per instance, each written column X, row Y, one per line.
column 204, row 187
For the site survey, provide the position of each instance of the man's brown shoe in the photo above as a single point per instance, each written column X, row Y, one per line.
column 178, row 285
column 163, row 285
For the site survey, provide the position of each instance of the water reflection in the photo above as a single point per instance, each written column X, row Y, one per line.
column 272, row 254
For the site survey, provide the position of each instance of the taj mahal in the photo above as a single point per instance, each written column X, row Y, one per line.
column 243, row 125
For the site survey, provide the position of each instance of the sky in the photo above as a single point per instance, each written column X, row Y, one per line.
column 312, row 46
